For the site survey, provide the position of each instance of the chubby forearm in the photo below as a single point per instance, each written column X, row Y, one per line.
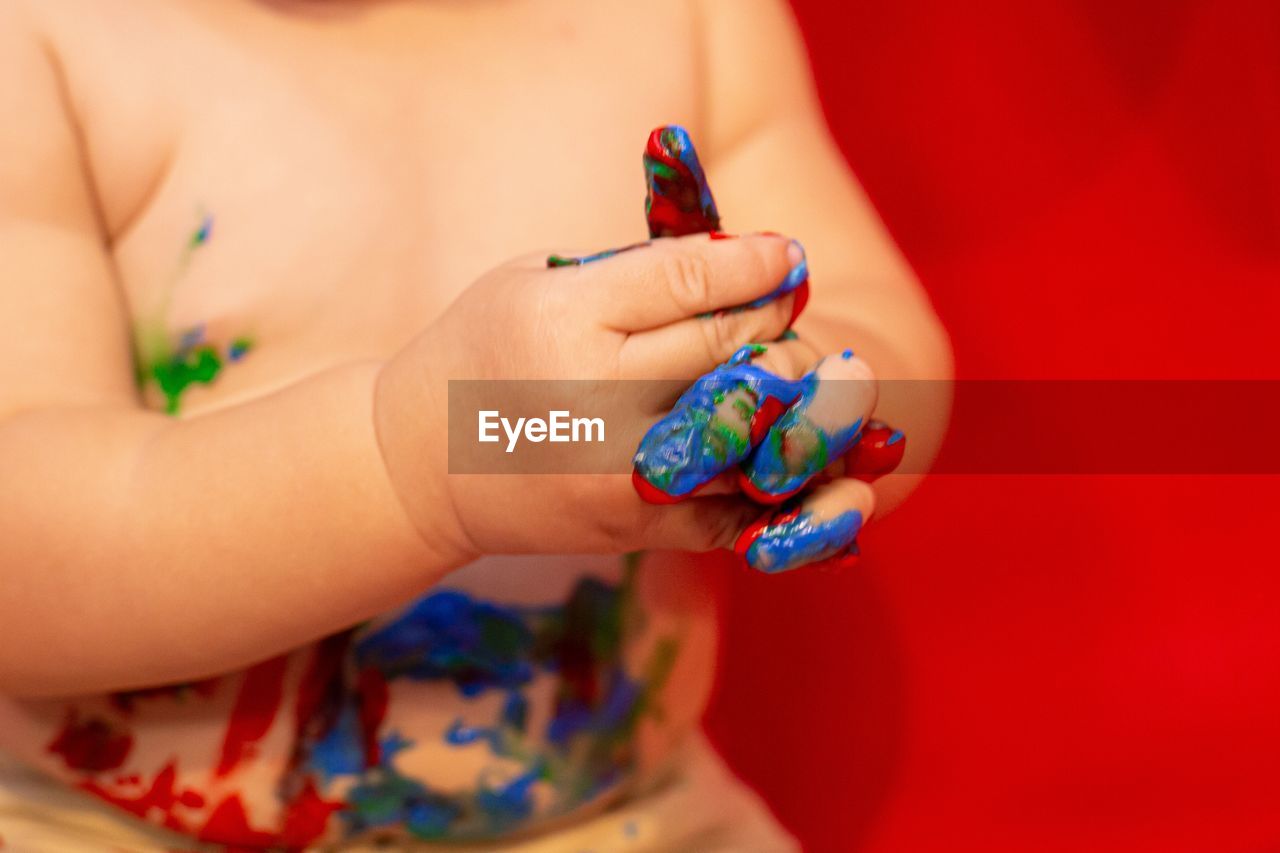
column 141, row 550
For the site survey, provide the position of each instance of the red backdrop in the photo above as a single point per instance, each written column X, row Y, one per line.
column 1088, row 188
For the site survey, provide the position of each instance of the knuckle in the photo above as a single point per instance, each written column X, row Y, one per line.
column 720, row 334
column 688, row 277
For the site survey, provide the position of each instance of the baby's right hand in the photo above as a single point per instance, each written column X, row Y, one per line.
column 656, row 312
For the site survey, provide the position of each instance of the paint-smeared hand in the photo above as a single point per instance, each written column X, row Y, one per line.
column 754, row 424
column 658, row 312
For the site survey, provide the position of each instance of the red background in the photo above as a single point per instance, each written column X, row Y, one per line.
column 1088, row 188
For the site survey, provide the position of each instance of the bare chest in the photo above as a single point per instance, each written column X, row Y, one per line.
column 295, row 184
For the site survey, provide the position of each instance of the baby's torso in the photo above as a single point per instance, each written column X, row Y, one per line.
column 290, row 185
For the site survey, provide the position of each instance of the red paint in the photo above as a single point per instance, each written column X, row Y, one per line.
column 649, row 493
column 675, row 206
column 760, row 496
column 306, row 817
column 254, row 710
column 764, row 417
column 1069, row 664
column 229, row 825
column 93, row 745
column 753, row 531
column 157, row 803
column 371, row 686
column 801, row 300
column 320, row 690
column 873, row 456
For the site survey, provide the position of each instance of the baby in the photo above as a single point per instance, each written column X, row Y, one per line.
column 246, row 244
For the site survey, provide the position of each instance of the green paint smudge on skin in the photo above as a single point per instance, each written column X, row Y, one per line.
column 174, row 369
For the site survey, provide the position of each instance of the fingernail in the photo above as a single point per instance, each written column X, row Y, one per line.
column 799, row 273
column 797, row 276
column 795, row 537
column 795, row 254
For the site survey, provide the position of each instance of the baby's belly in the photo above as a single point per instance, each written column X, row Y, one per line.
column 519, row 693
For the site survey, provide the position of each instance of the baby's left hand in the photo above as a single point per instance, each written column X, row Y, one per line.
column 762, row 425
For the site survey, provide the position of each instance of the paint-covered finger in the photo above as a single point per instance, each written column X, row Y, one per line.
column 678, row 201
column 694, row 346
column 677, row 279
column 822, row 426
column 712, row 428
column 877, row 452
column 819, row 527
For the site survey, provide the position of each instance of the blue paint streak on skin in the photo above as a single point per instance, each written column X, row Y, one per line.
column 450, row 636
column 387, row 799
column 203, row 233
column 798, row 275
column 570, row 261
column 573, row 718
column 341, row 751
column 895, row 438
column 459, row 734
column 684, row 450
column 802, row 540
column 769, row 470
column 191, row 339
column 509, row 804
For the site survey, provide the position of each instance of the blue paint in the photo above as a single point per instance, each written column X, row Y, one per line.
column 572, row 261
column 203, row 233
column 797, row 539
column 448, row 635
column 459, row 734
column 895, row 438
column 693, row 444
column 191, row 339
column 773, row 468
column 507, row 805
column 673, row 177
column 797, row 276
column 340, row 752
column 847, row 354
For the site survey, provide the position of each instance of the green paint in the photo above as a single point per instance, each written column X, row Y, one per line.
column 178, row 373
column 175, row 368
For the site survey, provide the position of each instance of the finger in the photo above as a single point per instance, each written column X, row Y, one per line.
column 679, row 199
column 700, row 525
column 821, row 526
column 711, row 428
column 692, row 347
column 823, row 425
column 680, row 278
column 876, row 453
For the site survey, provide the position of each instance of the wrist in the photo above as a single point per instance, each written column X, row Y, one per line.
column 409, row 416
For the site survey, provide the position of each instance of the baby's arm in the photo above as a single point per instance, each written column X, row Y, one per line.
column 775, row 166
column 136, row 549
